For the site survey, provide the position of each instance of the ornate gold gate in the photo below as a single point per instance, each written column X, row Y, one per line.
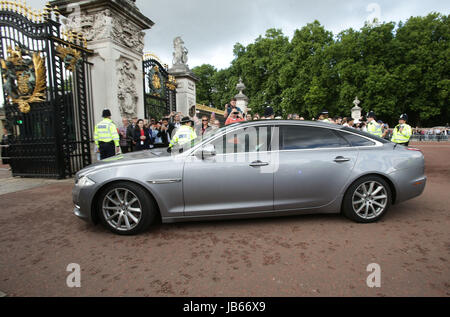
column 46, row 87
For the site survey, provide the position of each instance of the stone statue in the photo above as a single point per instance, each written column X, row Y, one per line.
column 356, row 110
column 180, row 53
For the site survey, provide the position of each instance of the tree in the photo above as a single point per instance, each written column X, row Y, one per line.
column 392, row 68
column 205, row 87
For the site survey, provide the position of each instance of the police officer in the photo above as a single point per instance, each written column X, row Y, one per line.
column 106, row 136
column 184, row 134
column 323, row 117
column 402, row 132
column 372, row 125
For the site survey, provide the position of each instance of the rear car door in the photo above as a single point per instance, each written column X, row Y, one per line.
column 314, row 166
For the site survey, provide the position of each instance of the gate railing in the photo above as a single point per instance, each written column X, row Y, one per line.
column 46, row 92
column 159, row 88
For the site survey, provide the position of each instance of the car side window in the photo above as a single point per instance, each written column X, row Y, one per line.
column 244, row 140
column 356, row 140
column 303, row 137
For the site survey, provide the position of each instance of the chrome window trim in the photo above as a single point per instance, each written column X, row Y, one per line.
column 377, row 143
column 328, row 149
column 245, row 153
column 280, row 124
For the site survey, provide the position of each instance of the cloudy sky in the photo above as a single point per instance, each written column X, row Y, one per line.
column 210, row 28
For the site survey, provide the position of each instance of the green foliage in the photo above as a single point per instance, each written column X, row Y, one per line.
column 393, row 69
column 205, row 85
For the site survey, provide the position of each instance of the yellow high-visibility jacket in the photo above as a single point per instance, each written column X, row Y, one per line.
column 403, row 137
column 375, row 129
column 106, row 131
column 184, row 134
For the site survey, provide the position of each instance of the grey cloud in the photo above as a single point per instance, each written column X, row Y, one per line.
column 210, row 28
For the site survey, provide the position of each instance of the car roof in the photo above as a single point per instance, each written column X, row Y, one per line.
column 291, row 122
column 305, row 123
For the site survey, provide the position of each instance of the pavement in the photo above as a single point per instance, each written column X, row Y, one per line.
column 9, row 184
column 315, row 255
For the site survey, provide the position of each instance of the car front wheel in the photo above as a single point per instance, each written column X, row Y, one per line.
column 367, row 200
column 126, row 208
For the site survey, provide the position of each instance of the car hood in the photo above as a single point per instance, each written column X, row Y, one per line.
column 154, row 155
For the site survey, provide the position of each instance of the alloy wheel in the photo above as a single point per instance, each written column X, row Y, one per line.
column 370, row 200
column 122, row 209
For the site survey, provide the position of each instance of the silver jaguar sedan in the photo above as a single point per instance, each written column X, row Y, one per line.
column 252, row 169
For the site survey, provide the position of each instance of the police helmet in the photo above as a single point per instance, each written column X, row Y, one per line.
column 323, row 113
column 268, row 111
column 106, row 113
column 186, row 120
column 371, row 114
column 404, row 117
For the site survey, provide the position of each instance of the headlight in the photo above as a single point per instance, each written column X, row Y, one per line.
column 85, row 182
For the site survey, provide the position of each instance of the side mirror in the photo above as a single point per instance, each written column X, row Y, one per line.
column 205, row 152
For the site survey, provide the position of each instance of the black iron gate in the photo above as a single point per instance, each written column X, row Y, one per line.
column 46, row 88
column 159, row 89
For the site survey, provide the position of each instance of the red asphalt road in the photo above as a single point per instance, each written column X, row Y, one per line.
column 317, row 255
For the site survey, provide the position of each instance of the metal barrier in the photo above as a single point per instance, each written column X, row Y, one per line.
column 430, row 138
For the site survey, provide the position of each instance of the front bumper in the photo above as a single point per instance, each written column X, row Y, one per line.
column 82, row 199
column 77, row 211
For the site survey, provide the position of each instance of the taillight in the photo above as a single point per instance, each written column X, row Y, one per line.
column 414, row 149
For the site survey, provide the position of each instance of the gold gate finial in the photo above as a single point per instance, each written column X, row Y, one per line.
column 57, row 13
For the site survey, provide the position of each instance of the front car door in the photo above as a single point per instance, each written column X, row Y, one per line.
column 314, row 165
column 238, row 179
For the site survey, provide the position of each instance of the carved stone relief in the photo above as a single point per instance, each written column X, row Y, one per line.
column 105, row 25
column 127, row 92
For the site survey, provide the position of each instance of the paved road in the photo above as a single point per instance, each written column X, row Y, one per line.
column 318, row 255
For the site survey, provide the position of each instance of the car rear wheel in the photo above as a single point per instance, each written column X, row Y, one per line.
column 126, row 208
column 367, row 200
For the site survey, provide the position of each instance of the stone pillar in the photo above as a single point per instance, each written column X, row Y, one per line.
column 114, row 31
column 186, row 80
column 356, row 110
column 241, row 99
column 186, row 92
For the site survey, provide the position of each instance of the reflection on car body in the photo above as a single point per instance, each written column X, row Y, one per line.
column 252, row 169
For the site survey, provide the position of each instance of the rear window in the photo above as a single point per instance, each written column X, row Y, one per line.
column 365, row 134
column 356, row 140
column 303, row 137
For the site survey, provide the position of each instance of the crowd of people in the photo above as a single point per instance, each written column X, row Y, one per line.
column 142, row 134
column 434, row 134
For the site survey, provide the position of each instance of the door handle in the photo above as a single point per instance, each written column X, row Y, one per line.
column 341, row 159
column 258, row 164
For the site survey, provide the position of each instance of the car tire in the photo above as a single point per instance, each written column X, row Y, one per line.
column 367, row 200
column 126, row 208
